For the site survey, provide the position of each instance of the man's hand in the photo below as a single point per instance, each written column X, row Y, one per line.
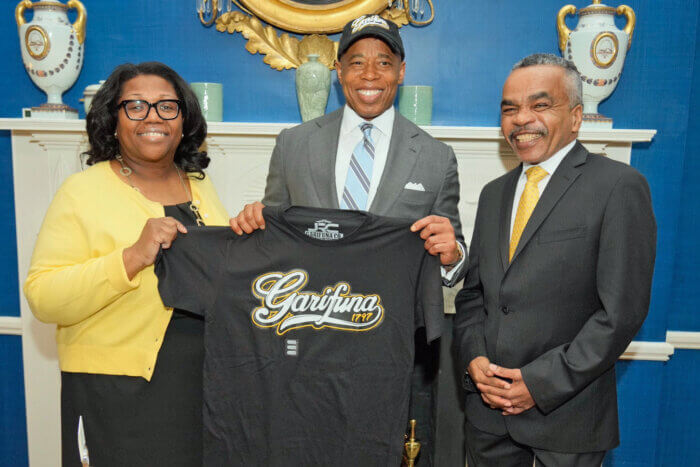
column 249, row 219
column 518, row 394
column 439, row 236
column 491, row 388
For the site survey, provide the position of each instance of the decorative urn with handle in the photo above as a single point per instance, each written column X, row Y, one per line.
column 52, row 51
column 598, row 48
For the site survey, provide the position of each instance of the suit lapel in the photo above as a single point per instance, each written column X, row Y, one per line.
column 402, row 156
column 506, row 214
column 323, row 147
column 561, row 180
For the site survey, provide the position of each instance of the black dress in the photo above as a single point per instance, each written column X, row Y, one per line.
column 129, row 421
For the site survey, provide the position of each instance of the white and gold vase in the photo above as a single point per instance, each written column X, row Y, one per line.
column 52, row 51
column 598, row 48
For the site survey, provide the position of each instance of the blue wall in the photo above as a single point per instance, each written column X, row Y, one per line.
column 465, row 54
column 683, row 315
column 13, row 426
column 677, row 439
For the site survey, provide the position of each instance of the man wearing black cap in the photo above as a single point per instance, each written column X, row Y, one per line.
column 412, row 175
column 409, row 174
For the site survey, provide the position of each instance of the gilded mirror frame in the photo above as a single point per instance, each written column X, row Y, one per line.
column 308, row 18
column 313, row 19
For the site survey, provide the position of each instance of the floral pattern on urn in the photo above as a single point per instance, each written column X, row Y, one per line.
column 598, row 49
column 52, row 51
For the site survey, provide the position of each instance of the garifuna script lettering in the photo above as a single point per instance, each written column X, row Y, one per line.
column 285, row 304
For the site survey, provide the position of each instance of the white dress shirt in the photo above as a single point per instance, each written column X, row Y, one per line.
column 550, row 165
column 350, row 135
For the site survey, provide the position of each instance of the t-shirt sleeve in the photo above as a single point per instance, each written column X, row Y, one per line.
column 188, row 272
column 430, row 309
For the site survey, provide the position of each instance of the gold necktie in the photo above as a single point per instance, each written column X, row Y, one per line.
column 528, row 201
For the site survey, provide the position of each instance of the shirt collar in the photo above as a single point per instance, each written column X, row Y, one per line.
column 351, row 121
column 551, row 164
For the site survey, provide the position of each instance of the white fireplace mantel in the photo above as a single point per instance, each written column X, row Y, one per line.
column 45, row 152
column 272, row 129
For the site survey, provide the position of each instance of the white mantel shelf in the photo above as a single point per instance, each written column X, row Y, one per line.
column 263, row 129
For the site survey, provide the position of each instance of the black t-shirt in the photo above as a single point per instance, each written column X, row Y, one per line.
column 309, row 334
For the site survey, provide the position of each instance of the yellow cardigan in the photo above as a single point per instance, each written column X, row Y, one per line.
column 107, row 323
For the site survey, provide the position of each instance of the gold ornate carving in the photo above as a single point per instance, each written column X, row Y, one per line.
column 400, row 17
column 321, row 45
column 280, row 51
column 563, row 30
column 283, row 51
column 306, row 18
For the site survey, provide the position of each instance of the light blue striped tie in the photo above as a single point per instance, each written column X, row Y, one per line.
column 359, row 175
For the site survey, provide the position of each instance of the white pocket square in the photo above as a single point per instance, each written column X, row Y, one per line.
column 414, row 186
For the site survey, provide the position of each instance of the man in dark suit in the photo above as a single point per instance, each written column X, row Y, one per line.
column 366, row 156
column 558, row 283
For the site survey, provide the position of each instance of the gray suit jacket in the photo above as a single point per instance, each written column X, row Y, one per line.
column 302, row 172
column 567, row 305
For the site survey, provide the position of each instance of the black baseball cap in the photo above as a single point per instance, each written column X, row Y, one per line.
column 371, row 26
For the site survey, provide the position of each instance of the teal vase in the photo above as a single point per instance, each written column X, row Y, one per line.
column 313, row 81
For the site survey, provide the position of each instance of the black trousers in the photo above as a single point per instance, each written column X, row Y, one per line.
column 488, row 450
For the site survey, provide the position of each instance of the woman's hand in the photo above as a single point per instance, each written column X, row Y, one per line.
column 156, row 233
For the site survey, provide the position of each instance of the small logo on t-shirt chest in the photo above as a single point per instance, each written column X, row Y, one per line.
column 286, row 305
column 324, row 229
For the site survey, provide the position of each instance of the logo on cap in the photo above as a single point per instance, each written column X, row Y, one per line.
column 363, row 21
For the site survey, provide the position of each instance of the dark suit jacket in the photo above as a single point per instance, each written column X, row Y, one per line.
column 569, row 303
column 302, row 172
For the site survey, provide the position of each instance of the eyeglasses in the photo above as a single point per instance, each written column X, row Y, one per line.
column 167, row 109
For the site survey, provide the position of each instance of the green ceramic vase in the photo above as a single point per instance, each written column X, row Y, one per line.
column 313, row 82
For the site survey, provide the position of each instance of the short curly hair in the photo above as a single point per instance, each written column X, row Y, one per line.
column 101, row 120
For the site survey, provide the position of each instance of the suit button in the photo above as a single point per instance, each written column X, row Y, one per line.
column 505, row 310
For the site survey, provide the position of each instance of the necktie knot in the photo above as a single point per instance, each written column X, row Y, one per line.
column 535, row 174
column 367, row 130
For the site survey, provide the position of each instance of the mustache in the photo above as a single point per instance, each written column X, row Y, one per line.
column 530, row 129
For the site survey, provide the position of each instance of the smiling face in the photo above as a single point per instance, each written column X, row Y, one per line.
column 152, row 139
column 370, row 74
column 536, row 118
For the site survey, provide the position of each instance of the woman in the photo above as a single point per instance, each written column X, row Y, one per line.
column 130, row 367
